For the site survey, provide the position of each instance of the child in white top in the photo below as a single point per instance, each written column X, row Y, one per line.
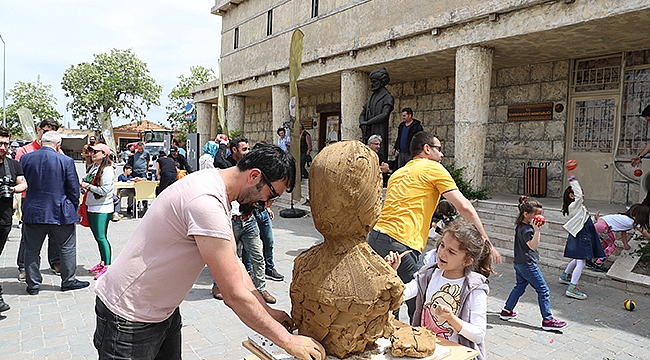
column 451, row 295
column 636, row 217
column 583, row 242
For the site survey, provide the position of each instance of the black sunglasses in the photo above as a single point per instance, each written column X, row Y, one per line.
column 273, row 192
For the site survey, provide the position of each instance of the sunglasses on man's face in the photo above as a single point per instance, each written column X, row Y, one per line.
column 274, row 193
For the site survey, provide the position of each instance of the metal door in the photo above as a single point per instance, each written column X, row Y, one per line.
column 591, row 141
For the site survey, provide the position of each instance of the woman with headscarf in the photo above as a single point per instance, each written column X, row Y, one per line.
column 206, row 161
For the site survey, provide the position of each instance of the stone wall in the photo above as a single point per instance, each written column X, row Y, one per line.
column 258, row 121
column 509, row 144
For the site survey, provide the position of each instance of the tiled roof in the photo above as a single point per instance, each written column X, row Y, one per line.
column 137, row 126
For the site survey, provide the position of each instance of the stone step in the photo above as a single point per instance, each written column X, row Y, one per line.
column 546, row 250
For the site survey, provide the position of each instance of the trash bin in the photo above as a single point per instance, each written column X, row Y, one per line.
column 535, row 179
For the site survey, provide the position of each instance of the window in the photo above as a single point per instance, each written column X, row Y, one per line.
column 314, row 8
column 269, row 22
column 236, row 38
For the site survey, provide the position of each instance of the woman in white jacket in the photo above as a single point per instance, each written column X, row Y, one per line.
column 99, row 183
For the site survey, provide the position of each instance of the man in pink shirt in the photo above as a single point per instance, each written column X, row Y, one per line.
column 53, row 253
column 138, row 297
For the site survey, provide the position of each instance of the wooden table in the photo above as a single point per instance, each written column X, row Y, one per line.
column 457, row 351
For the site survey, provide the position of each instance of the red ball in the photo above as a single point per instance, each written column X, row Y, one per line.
column 539, row 220
column 638, row 172
column 571, row 164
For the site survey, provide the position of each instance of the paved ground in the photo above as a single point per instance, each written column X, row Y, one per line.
column 57, row 325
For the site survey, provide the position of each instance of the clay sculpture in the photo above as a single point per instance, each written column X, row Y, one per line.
column 343, row 293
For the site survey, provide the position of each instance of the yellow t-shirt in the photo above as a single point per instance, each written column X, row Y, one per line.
column 412, row 196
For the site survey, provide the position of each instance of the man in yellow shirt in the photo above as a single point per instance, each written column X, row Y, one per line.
column 412, row 196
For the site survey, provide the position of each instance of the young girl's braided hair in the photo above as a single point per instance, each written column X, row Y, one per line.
column 526, row 205
column 472, row 243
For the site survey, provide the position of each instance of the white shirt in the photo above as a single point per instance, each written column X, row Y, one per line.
column 619, row 222
column 447, row 291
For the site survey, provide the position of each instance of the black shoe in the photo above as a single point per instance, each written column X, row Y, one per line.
column 3, row 305
column 274, row 275
column 599, row 267
column 33, row 291
column 76, row 285
column 590, row 263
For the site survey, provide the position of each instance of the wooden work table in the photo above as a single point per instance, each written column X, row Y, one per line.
column 456, row 352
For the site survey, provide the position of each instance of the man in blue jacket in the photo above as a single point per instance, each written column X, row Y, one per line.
column 50, row 208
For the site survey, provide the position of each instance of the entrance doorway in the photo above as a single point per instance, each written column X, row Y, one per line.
column 591, row 141
column 329, row 129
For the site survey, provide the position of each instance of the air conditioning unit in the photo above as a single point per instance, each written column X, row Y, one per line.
column 645, row 179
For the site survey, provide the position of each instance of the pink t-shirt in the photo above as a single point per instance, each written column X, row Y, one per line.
column 158, row 266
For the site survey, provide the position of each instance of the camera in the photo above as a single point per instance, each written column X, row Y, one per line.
column 5, row 187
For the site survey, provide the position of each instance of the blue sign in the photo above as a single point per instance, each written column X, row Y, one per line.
column 189, row 112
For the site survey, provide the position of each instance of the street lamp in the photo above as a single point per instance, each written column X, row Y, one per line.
column 4, row 82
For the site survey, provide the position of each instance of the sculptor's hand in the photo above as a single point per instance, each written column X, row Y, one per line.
column 305, row 348
column 384, row 167
column 278, row 315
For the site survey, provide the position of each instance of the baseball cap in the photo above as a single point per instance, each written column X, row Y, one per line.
column 101, row 147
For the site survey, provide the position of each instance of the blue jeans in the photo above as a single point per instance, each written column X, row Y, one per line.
column 118, row 338
column 247, row 235
column 530, row 274
column 303, row 161
column 266, row 234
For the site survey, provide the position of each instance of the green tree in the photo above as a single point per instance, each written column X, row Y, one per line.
column 117, row 83
column 180, row 96
column 35, row 96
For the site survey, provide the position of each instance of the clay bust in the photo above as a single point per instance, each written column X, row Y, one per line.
column 343, row 293
column 377, row 109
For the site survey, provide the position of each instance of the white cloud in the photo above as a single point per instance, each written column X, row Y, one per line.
column 47, row 37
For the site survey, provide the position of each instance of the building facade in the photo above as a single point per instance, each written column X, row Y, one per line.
column 506, row 84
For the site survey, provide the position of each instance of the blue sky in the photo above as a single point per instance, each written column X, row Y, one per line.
column 45, row 37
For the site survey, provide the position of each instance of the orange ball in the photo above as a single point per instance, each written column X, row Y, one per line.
column 539, row 220
column 571, row 164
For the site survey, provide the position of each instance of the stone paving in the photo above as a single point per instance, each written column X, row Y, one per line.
column 57, row 325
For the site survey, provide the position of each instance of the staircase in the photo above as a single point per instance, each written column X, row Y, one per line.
column 498, row 218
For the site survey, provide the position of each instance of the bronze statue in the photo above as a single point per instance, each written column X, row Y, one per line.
column 377, row 109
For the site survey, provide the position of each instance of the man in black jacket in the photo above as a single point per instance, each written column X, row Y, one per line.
column 180, row 159
column 405, row 132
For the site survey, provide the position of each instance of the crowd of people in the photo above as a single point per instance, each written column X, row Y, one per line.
column 222, row 217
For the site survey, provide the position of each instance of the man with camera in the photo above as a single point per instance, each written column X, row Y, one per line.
column 11, row 181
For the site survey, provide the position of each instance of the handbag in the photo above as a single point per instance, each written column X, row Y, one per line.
column 83, row 209
column 83, row 212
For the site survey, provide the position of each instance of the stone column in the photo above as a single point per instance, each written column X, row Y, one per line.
column 472, row 105
column 203, row 118
column 214, row 122
column 355, row 89
column 280, row 95
column 235, row 113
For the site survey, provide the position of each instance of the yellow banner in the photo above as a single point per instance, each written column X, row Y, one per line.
column 295, row 66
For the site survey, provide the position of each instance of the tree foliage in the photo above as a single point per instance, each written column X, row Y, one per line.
column 35, row 96
column 117, row 83
column 180, row 95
